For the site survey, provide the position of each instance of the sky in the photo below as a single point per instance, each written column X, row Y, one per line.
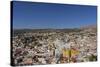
column 32, row 15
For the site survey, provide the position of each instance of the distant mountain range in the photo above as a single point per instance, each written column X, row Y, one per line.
column 45, row 30
column 90, row 28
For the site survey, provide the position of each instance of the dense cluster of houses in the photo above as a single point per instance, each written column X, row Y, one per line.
column 34, row 48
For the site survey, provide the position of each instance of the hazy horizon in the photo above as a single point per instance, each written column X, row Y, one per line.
column 61, row 28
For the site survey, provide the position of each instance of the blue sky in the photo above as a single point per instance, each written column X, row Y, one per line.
column 43, row 15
